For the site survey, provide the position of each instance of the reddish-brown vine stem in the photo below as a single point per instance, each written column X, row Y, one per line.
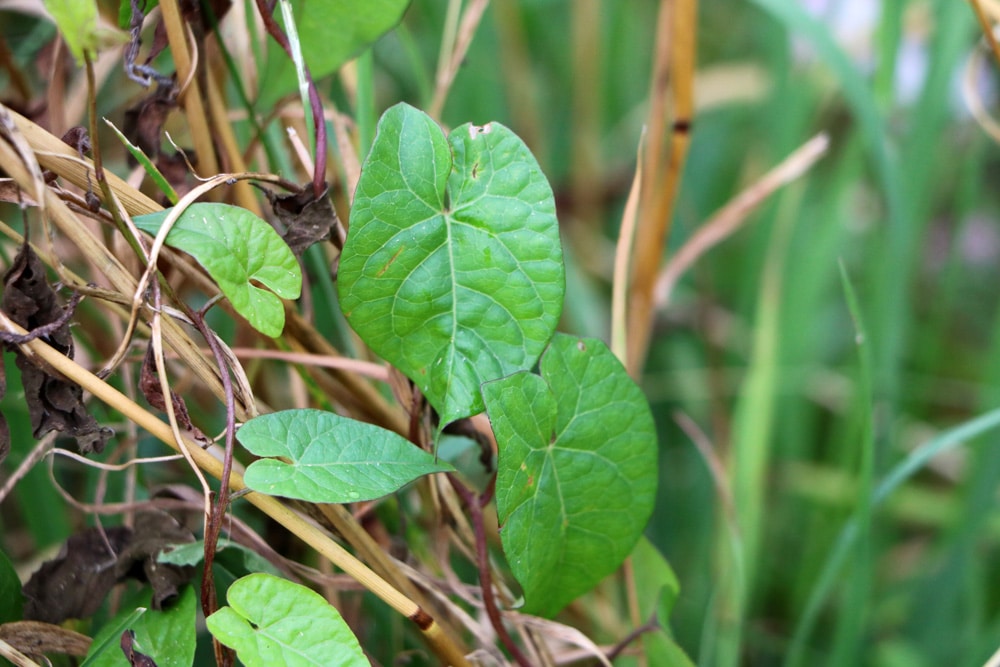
column 475, row 503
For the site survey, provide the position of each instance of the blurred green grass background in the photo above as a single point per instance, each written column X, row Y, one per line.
column 759, row 347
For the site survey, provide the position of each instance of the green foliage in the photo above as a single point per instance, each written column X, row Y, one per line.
column 11, row 600
column 576, row 476
column 331, row 459
column 167, row 636
column 330, row 33
column 78, row 24
column 238, row 249
column 271, row 621
column 162, row 184
column 452, row 270
column 234, row 557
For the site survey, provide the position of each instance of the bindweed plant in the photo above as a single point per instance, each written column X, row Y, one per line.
column 494, row 471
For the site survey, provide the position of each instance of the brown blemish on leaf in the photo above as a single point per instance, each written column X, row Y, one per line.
column 389, row 263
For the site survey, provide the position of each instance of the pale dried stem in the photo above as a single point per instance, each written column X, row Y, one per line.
column 368, row 369
column 16, row 657
column 623, row 256
column 243, row 193
column 41, row 448
column 300, row 150
column 180, row 443
column 728, row 219
column 666, row 152
column 443, row 644
column 191, row 99
column 973, row 97
column 109, row 467
column 986, row 26
column 449, row 65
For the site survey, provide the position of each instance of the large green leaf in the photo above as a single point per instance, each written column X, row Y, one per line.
column 271, row 621
column 167, row 636
column 331, row 459
column 238, row 250
column 576, row 476
column 452, row 270
column 330, row 33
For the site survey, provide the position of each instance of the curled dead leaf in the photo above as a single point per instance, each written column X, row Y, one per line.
column 92, row 562
column 53, row 402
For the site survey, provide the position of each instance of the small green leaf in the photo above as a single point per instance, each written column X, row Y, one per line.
column 167, row 636
column 332, row 459
column 233, row 556
column 657, row 587
column 11, row 600
column 271, row 621
column 77, row 21
column 330, row 33
column 238, row 249
column 452, row 270
column 576, row 475
column 151, row 170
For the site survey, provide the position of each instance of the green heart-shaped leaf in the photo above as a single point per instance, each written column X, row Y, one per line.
column 271, row 621
column 332, row 459
column 452, row 270
column 238, row 249
column 576, row 476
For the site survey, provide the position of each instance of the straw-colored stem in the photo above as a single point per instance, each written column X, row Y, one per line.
column 191, row 98
column 294, row 523
column 673, row 81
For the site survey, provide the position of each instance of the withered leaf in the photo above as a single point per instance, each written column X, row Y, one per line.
column 176, row 168
column 133, row 656
column 305, row 218
column 74, row 584
column 144, row 120
column 78, row 138
column 154, row 532
column 149, row 384
column 36, row 638
column 53, row 402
